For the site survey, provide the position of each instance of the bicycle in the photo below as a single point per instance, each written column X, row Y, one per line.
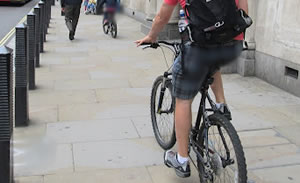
column 212, row 164
column 110, row 25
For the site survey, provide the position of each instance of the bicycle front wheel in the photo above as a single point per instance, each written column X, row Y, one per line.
column 225, row 153
column 114, row 29
column 163, row 117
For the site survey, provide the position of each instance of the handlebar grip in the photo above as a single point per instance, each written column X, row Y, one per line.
column 151, row 45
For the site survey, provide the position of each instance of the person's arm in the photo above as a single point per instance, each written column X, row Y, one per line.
column 160, row 20
column 243, row 4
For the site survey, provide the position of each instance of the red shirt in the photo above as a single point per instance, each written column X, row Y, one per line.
column 182, row 3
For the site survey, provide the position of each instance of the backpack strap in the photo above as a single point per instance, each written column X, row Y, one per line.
column 187, row 3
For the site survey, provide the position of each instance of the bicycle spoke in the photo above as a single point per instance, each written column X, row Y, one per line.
column 229, row 173
column 165, row 121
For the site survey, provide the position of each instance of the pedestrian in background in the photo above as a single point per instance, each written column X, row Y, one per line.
column 71, row 9
column 86, row 2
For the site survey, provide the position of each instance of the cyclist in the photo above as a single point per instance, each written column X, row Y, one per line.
column 110, row 8
column 198, row 62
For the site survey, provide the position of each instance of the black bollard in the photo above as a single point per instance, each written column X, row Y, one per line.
column 45, row 23
column 6, row 115
column 37, row 35
column 21, row 65
column 42, row 27
column 32, row 46
column 49, row 12
column 50, row 4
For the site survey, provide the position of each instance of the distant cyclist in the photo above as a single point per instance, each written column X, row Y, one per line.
column 214, row 37
column 110, row 8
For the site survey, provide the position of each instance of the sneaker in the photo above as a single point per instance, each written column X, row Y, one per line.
column 223, row 109
column 71, row 35
column 181, row 170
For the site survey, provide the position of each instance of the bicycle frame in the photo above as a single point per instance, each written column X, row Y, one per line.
column 196, row 131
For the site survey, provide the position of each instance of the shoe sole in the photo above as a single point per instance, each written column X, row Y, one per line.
column 178, row 172
column 181, row 174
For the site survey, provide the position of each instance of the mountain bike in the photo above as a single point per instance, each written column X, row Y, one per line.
column 110, row 25
column 218, row 153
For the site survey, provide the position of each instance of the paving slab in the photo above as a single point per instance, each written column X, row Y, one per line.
column 285, row 174
column 34, row 179
column 128, row 175
column 63, row 97
column 49, row 59
column 60, row 75
column 101, row 111
column 91, row 84
column 290, row 132
column 42, row 86
column 43, row 113
column 117, row 154
column 143, row 126
column 80, row 68
column 42, row 157
column 124, row 95
column 163, row 174
column 261, row 138
column 272, row 156
column 291, row 111
column 259, row 118
column 87, row 131
column 254, row 100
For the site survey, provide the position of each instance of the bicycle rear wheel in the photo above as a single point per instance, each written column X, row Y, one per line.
column 105, row 25
column 163, row 119
column 105, row 28
column 228, row 163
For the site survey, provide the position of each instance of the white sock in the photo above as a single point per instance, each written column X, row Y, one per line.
column 181, row 159
column 218, row 105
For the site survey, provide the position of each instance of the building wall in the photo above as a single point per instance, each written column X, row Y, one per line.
column 277, row 38
column 278, row 29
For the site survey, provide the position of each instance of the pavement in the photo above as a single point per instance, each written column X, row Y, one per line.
column 90, row 114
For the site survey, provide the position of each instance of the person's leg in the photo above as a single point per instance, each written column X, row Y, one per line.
column 217, row 88
column 69, row 17
column 76, row 14
column 183, row 120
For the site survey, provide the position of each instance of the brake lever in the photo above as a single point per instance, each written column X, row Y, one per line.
column 146, row 47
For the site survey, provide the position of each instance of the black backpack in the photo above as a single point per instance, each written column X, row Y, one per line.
column 215, row 21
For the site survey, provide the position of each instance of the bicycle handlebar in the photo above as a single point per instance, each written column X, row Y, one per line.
column 175, row 44
column 157, row 44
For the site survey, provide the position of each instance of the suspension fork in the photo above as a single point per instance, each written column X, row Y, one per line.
column 162, row 93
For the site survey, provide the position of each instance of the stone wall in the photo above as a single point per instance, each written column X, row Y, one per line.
column 277, row 38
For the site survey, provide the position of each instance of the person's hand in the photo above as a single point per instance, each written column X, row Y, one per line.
column 147, row 39
column 63, row 9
